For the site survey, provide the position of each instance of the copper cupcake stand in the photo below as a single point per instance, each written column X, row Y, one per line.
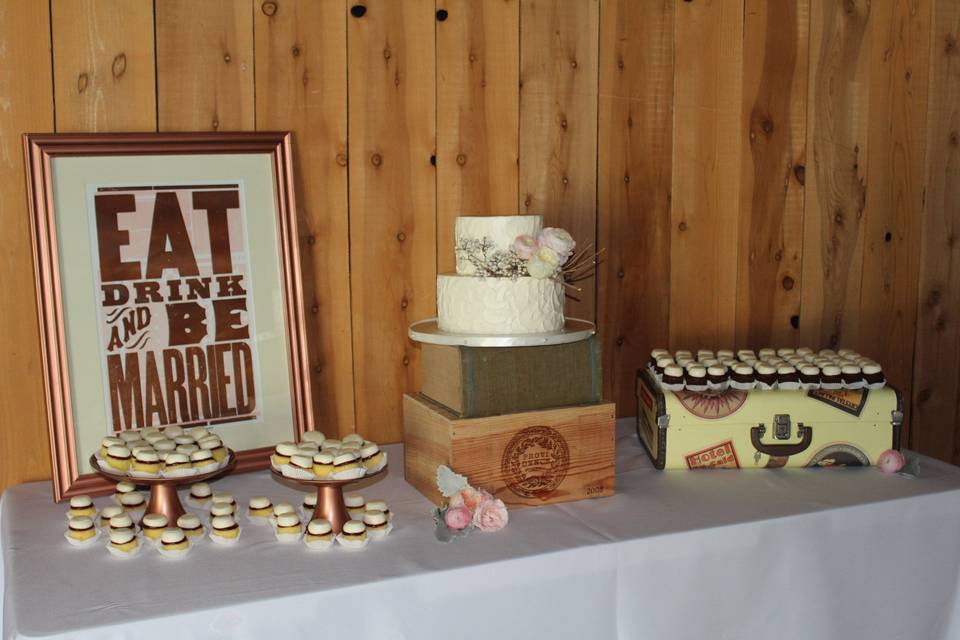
column 330, row 505
column 163, row 491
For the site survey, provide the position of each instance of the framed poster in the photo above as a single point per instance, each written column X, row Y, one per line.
column 168, row 286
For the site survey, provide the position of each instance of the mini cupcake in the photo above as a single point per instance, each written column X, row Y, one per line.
column 788, row 378
column 184, row 440
column 718, row 378
column 203, row 461
column 190, row 524
column 742, row 377
column 224, row 530
column 319, row 534
column 288, row 527
column 330, row 444
column 173, row 543
column 133, row 501
column 107, row 442
column 308, row 449
column 379, row 505
column 187, row 449
column 695, row 378
column 123, row 543
column 215, row 447
column 766, row 376
column 684, row 353
column 378, row 526
column 852, row 376
column 809, row 377
column 725, row 353
column 200, row 494
column 172, row 431
column 118, row 458
column 281, row 508
column 282, row 453
column 655, row 355
column 146, row 463
column 353, row 437
column 129, row 436
column 153, row 525
column 229, row 498
column 873, row 376
column 746, row 354
column 154, row 438
column 121, row 521
column 260, row 509
column 830, row 377
column 81, row 531
column 300, row 467
column 766, row 352
column 323, row 464
column 685, row 362
column 672, row 379
column 844, row 352
column 197, row 432
column 222, row 509
column 82, row 506
column 109, row 512
column 309, row 504
column 315, row 437
column 804, row 351
column 165, row 447
column 663, row 363
column 372, row 458
column 702, row 354
column 355, row 504
column 826, row 353
column 346, row 466
column 177, row 465
column 354, row 535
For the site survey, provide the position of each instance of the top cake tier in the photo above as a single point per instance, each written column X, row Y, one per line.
column 501, row 230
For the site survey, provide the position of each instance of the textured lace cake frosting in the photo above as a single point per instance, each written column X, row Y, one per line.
column 467, row 303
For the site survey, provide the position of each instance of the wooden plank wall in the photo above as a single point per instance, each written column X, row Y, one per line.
column 760, row 173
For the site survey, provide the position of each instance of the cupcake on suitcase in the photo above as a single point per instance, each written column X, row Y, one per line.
column 662, row 363
column 788, row 378
column 718, row 378
column 672, row 379
column 852, row 376
column 873, row 377
column 742, row 377
column 809, row 377
column 830, row 377
column 696, row 378
column 766, row 376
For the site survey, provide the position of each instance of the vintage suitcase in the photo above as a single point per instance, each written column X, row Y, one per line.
column 525, row 459
column 766, row 429
column 484, row 381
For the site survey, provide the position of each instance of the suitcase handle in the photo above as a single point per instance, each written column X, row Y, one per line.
column 781, row 450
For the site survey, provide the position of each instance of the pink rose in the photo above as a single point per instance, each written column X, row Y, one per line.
column 525, row 246
column 891, row 461
column 559, row 240
column 491, row 515
column 458, row 518
column 468, row 497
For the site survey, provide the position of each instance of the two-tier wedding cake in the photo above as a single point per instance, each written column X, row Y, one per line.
column 509, row 277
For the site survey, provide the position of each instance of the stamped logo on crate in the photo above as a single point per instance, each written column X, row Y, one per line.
column 535, row 462
column 722, row 456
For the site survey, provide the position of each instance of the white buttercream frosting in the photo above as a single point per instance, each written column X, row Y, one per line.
column 504, row 306
column 501, row 230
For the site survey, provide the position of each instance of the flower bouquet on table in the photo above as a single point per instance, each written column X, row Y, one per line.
column 467, row 508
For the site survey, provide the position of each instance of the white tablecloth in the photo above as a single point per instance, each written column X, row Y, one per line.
column 723, row 554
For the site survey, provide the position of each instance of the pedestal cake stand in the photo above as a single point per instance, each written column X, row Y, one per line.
column 330, row 505
column 163, row 491
column 429, row 332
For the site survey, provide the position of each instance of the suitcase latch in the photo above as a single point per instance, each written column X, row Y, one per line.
column 781, row 426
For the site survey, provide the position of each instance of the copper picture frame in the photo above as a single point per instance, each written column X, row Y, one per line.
column 42, row 153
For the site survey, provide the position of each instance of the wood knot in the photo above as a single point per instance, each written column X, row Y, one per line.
column 767, row 125
column 401, row 236
column 620, row 64
column 318, row 369
column 472, row 57
column 934, row 298
column 295, row 51
column 376, row 160
column 227, row 58
column 565, row 180
column 682, row 226
column 940, row 325
column 629, row 122
column 341, row 159
column 406, row 361
column 800, row 173
column 787, row 283
column 838, row 217
column 461, row 159
column 573, row 63
column 387, row 54
column 433, row 160
column 442, row 15
column 83, row 80
column 887, row 237
column 311, row 239
column 119, row 66
column 563, row 124
column 528, row 200
column 795, row 321
column 269, row 8
column 315, row 309
column 358, row 10
column 954, row 138
column 950, row 45
column 620, row 273
column 215, row 124
column 626, row 177
column 404, row 303
column 620, row 341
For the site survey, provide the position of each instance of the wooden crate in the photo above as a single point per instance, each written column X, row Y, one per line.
column 525, row 459
column 473, row 382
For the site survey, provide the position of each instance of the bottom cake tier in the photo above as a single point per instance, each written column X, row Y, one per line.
column 503, row 306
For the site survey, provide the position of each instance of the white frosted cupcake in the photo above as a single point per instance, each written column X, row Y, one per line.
column 282, row 452
column 146, row 463
column 873, row 376
column 174, row 544
column 354, row 535
column 224, row 530
column 153, row 525
column 203, row 461
column 379, row 505
column 81, row 531
column 355, row 504
column 378, row 526
column 108, row 512
column 118, row 459
column 121, row 521
column 330, row 444
column 130, row 436
column 372, row 458
column 672, row 378
column 222, row 509
column 133, row 501
column 300, row 467
column 316, row 437
column 319, row 535
column 309, row 505
column 346, row 466
column 200, row 495
column 279, row 509
column 191, row 526
column 177, row 465
column 260, row 509
column 830, row 377
column 288, row 527
column 106, row 443
column 82, row 506
column 123, row 543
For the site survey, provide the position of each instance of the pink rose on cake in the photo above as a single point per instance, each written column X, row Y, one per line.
column 525, row 246
column 559, row 241
column 544, row 263
column 491, row 515
column 458, row 518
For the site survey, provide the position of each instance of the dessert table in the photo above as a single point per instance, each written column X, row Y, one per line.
column 682, row 554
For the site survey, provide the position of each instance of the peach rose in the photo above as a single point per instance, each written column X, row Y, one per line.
column 891, row 461
column 491, row 515
column 467, row 497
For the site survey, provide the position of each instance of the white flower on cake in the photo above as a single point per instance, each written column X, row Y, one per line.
column 544, row 263
column 525, row 246
column 559, row 240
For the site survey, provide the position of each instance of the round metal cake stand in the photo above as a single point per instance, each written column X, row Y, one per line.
column 573, row 330
column 163, row 491
column 330, row 505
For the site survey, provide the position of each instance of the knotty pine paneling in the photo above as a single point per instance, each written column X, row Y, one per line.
column 301, row 72
column 760, row 173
